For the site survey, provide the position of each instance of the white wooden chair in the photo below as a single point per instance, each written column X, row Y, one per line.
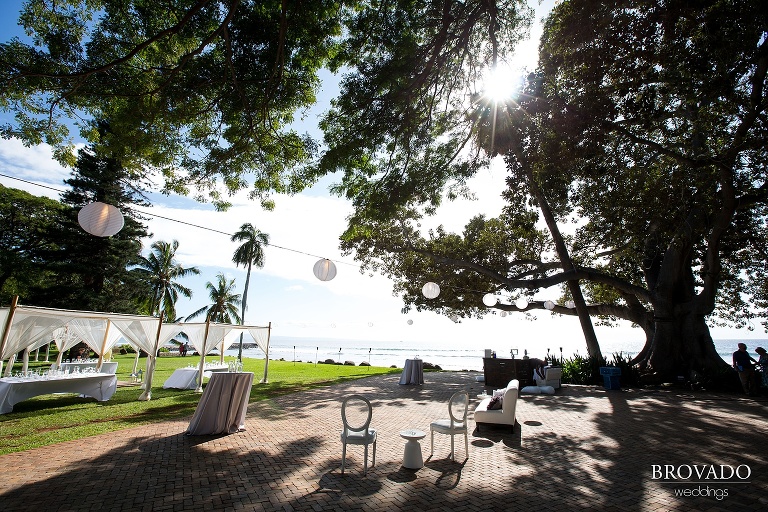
column 360, row 432
column 456, row 423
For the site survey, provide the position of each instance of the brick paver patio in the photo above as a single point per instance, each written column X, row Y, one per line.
column 582, row 449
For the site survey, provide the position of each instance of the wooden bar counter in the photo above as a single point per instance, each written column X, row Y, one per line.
column 498, row 372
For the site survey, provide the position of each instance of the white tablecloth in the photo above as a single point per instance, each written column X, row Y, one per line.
column 223, row 405
column 413, row 372
column 186, row 378
column 97, row 385
column 70, row 367
column 182, row 378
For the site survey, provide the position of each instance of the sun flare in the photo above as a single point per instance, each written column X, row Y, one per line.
column 500, row 83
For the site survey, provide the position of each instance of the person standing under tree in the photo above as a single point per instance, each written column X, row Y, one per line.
column 742, row 363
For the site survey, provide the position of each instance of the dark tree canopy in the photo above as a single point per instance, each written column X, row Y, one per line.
column 201, row 92
column 85, row 271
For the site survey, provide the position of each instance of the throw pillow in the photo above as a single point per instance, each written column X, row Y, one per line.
column 495, row 403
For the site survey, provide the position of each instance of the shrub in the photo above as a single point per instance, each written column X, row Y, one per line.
column 582, row 370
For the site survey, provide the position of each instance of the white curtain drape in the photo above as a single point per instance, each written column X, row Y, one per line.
column 33, row 327
column 261, row 336
column 167, row 331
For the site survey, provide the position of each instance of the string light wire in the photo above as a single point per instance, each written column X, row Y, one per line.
column 143, row 212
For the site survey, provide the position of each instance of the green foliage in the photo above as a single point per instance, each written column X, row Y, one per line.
column 224, row 302
column 203, row 93
column 26, row 222
column 582, row 370
column 88, row 272
column 161, row 271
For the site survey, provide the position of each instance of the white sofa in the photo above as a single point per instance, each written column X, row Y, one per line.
column 503, row 416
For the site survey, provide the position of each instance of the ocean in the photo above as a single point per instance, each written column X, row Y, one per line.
column 444, row 354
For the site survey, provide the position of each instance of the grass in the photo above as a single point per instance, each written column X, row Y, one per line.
column 50, row 419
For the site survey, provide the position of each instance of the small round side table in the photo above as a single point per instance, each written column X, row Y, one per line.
column 412, row 458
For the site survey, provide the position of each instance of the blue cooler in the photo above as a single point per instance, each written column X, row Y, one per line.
column 611, row 377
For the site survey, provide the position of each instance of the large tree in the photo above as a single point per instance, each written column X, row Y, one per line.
column 648, row 121
column 203, row 92
column 25, row 223
column 200, row 92
column 162, row 270
column 91, row 272
column 224, row 302
column 249, row 253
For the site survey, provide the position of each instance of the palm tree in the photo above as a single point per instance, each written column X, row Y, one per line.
column 250, row 253
column 161, row 270
column 224, row 302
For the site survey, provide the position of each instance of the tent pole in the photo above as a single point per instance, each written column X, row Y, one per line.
column 7, row 330
column 25, row 361
column 266, row 355
column 103, row 346
column 221, row 355
column 199, row 388
column 147, row 394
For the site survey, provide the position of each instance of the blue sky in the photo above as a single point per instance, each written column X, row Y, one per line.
column 285, row 292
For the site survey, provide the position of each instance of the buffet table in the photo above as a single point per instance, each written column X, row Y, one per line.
column 186, row 378
column 15, row 389
column 499, row 372
column 413, row 372
column 223, row 404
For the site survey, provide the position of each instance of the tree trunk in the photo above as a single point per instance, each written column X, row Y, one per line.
column 681, row 340
column 682, row 343
column 593, row 347
column 242, row 311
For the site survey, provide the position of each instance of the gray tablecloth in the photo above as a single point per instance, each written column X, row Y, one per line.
column 222, row 406
column 413, row 372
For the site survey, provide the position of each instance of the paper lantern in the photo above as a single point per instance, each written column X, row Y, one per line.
column 100, row 219
column 503, row 314
column 431, row 290
column 549, row 305
column 521, row 303
column 489, row 299
column 570, row 304
column 324, row 269
column 410, row 322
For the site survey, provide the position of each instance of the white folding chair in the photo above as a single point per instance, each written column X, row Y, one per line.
column 455, row 424
column 358, row 433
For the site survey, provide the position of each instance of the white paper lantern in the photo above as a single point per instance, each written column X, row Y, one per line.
column 521, row 303
column 410, row 322
column 503, row 314
column 431, row 290
column 489, row 299
column 324, row 269
column 549, row 305
column 570, row 304
column 100, row 219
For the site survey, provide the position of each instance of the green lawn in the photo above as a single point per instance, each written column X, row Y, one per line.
column 50, row 419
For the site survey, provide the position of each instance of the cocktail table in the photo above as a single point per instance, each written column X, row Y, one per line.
column 412, row 458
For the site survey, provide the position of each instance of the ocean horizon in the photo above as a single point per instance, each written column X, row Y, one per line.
column 449, row 356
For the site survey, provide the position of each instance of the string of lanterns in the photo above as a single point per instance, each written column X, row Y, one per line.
column 103, row 220
column 431, row 291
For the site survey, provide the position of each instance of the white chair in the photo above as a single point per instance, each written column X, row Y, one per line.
column 455, row 424
column 360, row 433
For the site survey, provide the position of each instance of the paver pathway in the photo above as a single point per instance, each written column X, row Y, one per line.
column 582, row 449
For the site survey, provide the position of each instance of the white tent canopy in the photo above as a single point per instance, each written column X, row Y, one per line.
column 29, row 327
